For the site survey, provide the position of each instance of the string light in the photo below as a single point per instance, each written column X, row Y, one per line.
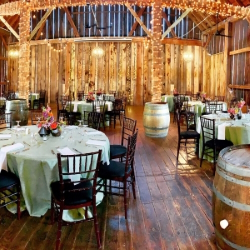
column 205, row 6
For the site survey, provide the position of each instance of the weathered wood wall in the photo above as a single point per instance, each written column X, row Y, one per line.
column 125, row 68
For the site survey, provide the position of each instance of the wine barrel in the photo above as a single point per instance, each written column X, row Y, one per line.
column 231, row 198
column 19, row 110
column 156, row 119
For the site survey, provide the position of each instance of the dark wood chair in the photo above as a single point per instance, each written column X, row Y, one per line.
column 80, row 95
column 186, row 137
column 62, row 102
column 212, row 106
column 178, row 102
column 219, row 98
column 75, row 189
column 116, row 112
column 100, row 107
column 122, row 172
column 211, row 146
column 94, row 120
column 5, row 120
column 10, row 190
column 128, row 129
column 42, row 97
column 36, row 115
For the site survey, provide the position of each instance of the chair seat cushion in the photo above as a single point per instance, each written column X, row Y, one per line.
column 114, row 169
column 189, row 134
column 117, row 151
column 7, row 179
column 72, row 198
column 220, row 144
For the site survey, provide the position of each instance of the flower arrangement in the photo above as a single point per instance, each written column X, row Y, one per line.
column 203, row 95
column 175, row 91
column 90, row 97
column 99, row 92
column 49, row 121
column 231, row 111
column 241, row 103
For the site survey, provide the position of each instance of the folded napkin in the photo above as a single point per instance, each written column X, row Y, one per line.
column 93, row 133
column 103, row 144
column 18, row 129
column 4, row 136
column 222, row 129
column 75, row 107
column 71, row 127
column 68, row 151
column 247, row 123
column 5, row 150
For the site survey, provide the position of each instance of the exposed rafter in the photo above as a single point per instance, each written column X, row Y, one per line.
column 76, row 33
column 9, row 27
column 176, row 22
column 168, row 23
column 44, row 18
column 139, row 20
column 140, row 12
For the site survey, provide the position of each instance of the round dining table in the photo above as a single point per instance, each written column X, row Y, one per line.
column 35, row 161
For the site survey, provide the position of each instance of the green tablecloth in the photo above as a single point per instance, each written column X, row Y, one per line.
column 37, row 167
column 32, row 97
column 170, row 100
column 238, row 132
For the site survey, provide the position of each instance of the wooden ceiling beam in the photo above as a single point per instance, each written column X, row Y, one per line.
column 135, row 24
column 176, row 22
column 201, row 26
column 139, row 20
column 164, row 15
column 220, row 25
column 38, row 34
column 76, row 33
column 44, row 18
column 4, row 32
column 9, row 27
column 178, row 41
column 4, row 42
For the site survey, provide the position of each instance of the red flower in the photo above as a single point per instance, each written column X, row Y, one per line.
column 53, row 125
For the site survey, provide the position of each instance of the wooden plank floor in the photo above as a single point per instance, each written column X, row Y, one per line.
column 172, row 210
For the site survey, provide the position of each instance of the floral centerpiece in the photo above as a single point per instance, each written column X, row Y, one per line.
column 203, row 96
column 175, row 91
column 49, row 122
column 99, row 92
column 241, row 103
column 90, row 97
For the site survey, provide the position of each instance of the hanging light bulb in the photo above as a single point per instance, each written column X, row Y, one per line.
column 188, row 56
column 97, row 52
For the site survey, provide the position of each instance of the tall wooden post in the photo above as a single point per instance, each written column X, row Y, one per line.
column 157, row 52
column 24, row 52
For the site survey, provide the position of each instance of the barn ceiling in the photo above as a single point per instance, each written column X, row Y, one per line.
column 201, row 20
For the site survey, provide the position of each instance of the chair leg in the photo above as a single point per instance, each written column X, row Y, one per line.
column 178, row 149
column 18, row 202
column 97, row 232
column 52, row 212
column 133, row 184
column 125, row 198
column 202, row 154
column 214, row 161
column 59, row 230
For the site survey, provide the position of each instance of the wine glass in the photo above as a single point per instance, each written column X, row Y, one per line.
column 18, row 125
column 80, row 123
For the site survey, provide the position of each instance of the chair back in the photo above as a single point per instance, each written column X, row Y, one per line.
column 131, row 150
column 63, row 100
column 94, row 119
column 99, row 106
column 5, row 120
column 80, row 95
column 128, row 129
column 36, row 115
column 207, row 129
column 78, row 173
column 219, row 98
column 212, row 107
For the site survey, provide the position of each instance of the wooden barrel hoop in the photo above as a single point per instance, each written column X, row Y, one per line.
column 231, row 198
column 156, row 119
column 19, row 111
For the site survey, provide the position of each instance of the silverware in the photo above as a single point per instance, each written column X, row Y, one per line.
column 77, row 151
column 26, row 143
column 4, row 139
column 8, row 144
column 21, row 151
column 53, row 152
column 96, row 139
